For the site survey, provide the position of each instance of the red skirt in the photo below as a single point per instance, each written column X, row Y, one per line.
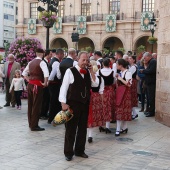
column 134, row 93
column 109, row 103
column 124, row 111
column 95, row 117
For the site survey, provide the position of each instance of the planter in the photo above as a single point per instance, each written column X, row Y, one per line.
column 48, row 24
column 151, row 42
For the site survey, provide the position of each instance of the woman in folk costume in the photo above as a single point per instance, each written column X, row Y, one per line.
column 95, row 117
column 123, row 97
column 108, row 96
column 133, row 70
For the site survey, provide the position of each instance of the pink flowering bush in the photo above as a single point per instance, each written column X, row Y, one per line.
column 24, row 50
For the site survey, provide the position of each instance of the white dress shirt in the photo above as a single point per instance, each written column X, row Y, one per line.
column 132, row 69
column 74, row 62
column 69, row 79
column 98, row 63
column 55, row 71
column 128, row 75
column 18, row 84
column 114, row 68
column 43, row 67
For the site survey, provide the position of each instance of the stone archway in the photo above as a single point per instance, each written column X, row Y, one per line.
column 58, row 43
column 143, row 41
column 112, row 43
column 85, row 42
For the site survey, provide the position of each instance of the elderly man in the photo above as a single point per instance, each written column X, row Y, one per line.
column 75, row 93
column 150, row 81
column 38, row 78
column 9, row 70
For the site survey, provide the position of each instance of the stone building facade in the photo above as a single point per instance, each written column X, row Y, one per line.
column 127, row 35
column 163, row 65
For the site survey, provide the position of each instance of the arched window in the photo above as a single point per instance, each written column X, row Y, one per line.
column 114, row 6
column 61, row 6
column 86, row 7
column 147, row 5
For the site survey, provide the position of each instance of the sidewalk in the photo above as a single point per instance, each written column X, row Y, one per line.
column 145, row 146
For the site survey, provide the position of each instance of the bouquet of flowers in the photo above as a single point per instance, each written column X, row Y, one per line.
column 48, row 18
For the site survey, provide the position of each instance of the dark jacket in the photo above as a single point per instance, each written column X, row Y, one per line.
column 150, row 72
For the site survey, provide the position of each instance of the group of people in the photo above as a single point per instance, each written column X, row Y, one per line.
column 98, row 90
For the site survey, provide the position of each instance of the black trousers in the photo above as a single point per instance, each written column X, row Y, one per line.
column 76, row 129
column 151, row 94
column 18, row 97
column 55, row 105
column 45, row 102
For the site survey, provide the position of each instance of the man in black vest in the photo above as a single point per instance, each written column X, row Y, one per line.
column 46, row 94
column 54, row 84
column 75, row 93
column 68, row 62
column 150, row 81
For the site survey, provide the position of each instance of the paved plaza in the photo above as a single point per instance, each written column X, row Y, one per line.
column 146, row 146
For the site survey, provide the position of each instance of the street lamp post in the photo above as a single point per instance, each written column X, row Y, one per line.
column 51, row 6
column 152, row 28
column 97, row 9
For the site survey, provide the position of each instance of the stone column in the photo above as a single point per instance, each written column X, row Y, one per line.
column 163, row 65
column 20, row 12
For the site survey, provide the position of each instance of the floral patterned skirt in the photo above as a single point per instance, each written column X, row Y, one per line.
column 95, row 117
column 124, row 111
column 109, row 103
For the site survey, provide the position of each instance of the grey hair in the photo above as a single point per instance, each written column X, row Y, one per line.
column 82, row 52
column 11, row 55
column 147, row 54
column 71, row 50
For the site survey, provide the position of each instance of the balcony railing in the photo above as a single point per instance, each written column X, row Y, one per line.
column 99, row 17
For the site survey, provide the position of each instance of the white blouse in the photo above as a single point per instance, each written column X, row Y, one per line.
column 128, row 75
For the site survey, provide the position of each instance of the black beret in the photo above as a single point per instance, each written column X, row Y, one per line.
column 39, row 50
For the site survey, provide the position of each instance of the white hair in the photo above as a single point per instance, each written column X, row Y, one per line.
column 125, row 56
column 12, row 55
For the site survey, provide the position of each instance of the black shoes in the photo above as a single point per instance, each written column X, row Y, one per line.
column 37, row 129
column 6, row 105
column 13, row 105
column 124, row 131
column 90, row 139
column 43, row 117
column 101, row 129
column 117, row 133
column 68, row 158
column 150, row 114
column 107, row 130
column 83, row 155
column 134, row 117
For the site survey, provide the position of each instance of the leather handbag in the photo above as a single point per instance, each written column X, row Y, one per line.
column 120, row 92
